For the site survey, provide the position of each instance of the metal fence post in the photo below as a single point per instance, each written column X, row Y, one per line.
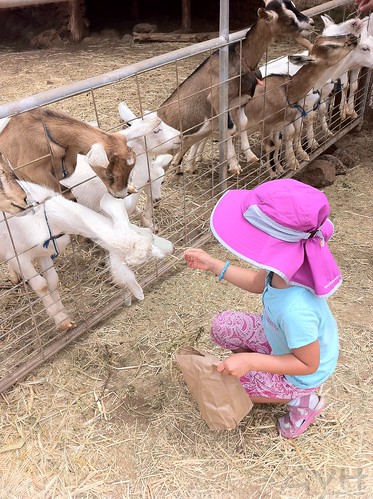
column 223, row 92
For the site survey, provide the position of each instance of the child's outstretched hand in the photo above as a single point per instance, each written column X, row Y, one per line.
column 196, row 258
column 364, row 6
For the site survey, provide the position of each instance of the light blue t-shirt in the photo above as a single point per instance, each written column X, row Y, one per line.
column 294, row 317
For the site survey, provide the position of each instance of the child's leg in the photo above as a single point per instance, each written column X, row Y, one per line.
column 303, row 404
column 238, row 330
column 269, row 388
column 302, row 412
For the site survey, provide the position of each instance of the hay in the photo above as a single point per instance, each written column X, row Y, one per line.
column 111, row 417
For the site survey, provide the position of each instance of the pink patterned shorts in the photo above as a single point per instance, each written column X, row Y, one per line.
column 234, row 330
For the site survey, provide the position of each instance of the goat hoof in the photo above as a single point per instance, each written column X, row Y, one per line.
column 191, row 171
column 252, row 158
column 127, row 301
column 235, row 170
column 279, row 169
column 66, row 325
column 15, row 279
column 293, row 166
column 304, row 156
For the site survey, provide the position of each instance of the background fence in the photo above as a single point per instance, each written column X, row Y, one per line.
column 27, row 336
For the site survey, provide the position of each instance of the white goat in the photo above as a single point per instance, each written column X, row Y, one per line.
column 351, row 79
column 147, row 174
column 361, row 56
column 88, row 189
column 43, row 233
column 163, row 139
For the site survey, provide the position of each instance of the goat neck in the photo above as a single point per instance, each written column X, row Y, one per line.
column 278, row 18
column 254, row 45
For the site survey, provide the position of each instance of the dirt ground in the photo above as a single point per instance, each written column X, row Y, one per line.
column 110, row 416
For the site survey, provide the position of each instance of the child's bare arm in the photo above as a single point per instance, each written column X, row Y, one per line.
column 247, row 279
column 301, row 361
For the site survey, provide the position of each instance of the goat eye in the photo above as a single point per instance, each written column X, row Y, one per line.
column 365, row 48
column 354, row 24
column 157, row 130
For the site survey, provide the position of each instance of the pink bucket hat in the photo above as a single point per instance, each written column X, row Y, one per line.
column 281, row 226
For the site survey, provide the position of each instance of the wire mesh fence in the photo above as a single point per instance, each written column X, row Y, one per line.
column 28, row 336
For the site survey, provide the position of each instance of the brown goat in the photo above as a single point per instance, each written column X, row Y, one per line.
column 196, row 100
column 42, row 146
column 274, row 106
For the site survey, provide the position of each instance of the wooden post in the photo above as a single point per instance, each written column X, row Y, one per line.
column 186, row 22
column 76, row 23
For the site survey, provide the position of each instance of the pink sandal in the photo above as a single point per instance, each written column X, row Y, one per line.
column 286, row 425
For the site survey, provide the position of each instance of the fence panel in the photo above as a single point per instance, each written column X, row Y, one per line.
column 28, row 337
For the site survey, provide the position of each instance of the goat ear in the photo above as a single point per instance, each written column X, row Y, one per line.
column 265, row 14
column 327, row 20
column 125, row 112
column 300, row 60
column 141, row 128
column 97, row 156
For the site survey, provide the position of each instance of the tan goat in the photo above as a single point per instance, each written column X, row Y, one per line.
column 274, row 106
column 191, row 106
column 42, row 145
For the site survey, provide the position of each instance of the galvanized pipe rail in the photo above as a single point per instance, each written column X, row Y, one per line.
column 11, row 4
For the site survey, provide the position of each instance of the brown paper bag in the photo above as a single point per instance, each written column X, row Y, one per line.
column 221, row 398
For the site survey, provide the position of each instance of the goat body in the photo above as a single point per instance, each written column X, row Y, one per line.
column 147, row 174
column 88, row 189
column 32, row 237
column 42, row 146
column 274, row 105
column 318, row 100
column 191, row 107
